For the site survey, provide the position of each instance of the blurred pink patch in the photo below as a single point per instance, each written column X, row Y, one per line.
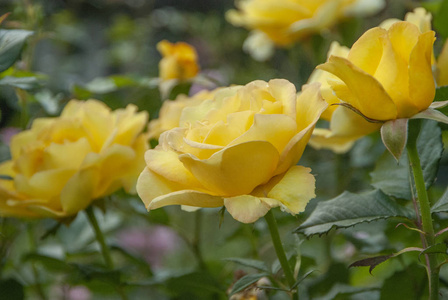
column 7, row 133
column 215, row 79
column 67, row 292
column 152, row 244
column 78, row 293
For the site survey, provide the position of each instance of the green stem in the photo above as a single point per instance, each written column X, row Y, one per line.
column 273, row 229
column 196, row 243
column 425, row 208
column 33, row 247
column 99, row 237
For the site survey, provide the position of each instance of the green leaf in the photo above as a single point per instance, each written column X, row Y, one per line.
column 11, row 289
column 11, row 44
column 441, row 20
column 195, row 285
column 437, row 248
column 442, row 204
column 89, row 273
column 252, row 263
column 394, row 179
column 441, row 93
column 407, row 284
column 246, row 281
column 371, row 262
column 50, row 263
column 394, row 134
column 349, row 209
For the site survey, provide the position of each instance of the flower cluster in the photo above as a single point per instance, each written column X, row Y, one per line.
column 238, row 149
column 61, row 164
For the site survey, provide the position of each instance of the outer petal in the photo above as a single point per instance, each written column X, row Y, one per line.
column 235, row 170
column 156, row 191
column 421, row 82
column 310, row 105
column 362, row 91
column 348, row 123
column 168, row 165
column 78, row 192
column 367, row 51
column 247, row 208
column 325, row 139
column 295, row 189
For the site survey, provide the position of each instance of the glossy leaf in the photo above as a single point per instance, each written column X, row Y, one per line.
column 442, row 204
column 349, row 209
column 11, row 44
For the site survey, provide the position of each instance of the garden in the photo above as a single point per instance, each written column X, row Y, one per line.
column 248, row 149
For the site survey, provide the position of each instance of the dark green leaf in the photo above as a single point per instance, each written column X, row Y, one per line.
column 371, row 262
column 350, row 209
column 407, row 284
column 195, row 285
column 441, row 93
column 6, row 177
column 158, row 216
column 252, row 263
column 394, row 179
column 50, row 263
column 11, row 44
column 391, row 177
column 11, row 289
column 440, row 19
column 89, row 272
column 246, row 281
column 442, row 204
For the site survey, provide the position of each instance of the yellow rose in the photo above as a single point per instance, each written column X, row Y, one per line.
column 442, row 66
column 170, row 112
column 386, row 75
column 286, row 21
column 61, row 164
column 179, row 61
column 239, row 150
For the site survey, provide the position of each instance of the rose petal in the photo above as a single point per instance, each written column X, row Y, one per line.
column 421, row 82
column 79, row 190
column 362, row 90
column 295, row 189
column 235, row 170
column 246, row 208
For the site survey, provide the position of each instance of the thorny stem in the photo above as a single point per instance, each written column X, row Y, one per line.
column 279, row 250
column 424, row 208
